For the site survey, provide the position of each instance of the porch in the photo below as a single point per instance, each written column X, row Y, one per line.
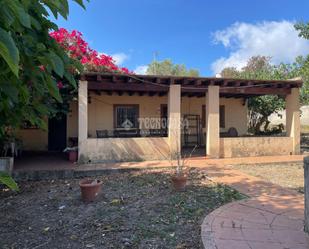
column 134, row 118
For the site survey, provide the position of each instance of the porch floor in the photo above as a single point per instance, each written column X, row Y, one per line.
column 42, row 161
column 58, row 162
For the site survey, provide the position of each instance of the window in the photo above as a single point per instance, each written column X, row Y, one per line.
column 126, row 116
column 221, row 116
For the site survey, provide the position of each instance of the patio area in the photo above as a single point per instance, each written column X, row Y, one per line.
column 47, row 165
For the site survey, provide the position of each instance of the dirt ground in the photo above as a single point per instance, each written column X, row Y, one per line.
column 289, row 175
column 135, row 210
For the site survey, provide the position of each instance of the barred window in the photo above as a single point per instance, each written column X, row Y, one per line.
column 126, row 116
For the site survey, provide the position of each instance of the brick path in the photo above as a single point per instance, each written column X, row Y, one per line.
column 271, row 219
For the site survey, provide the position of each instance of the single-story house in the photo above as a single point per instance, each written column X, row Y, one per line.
column 121, row 117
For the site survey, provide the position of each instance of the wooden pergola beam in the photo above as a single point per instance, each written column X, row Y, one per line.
column 133, row 87
column 192, row 86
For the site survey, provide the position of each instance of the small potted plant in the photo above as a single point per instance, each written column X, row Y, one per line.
column 90, row 189
column 72, row 153
column 179, row 179
column 7, row 151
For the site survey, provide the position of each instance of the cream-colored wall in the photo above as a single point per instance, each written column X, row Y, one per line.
column 255, row 146
column 33, row 139
column 235, row 112
column 100, row 115
column 123, row 149
column 100, row 111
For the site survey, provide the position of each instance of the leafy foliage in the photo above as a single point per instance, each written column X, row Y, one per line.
column 167, row 67
column 8, row 181
column 77, row 48
column 31, row 62
column 260, row 108
column 303, row 29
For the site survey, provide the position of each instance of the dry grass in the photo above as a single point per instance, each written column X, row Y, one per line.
column 135, row 210
column 289, row 175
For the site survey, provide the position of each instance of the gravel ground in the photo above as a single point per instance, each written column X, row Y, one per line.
column 135, row 210
column 289, row 175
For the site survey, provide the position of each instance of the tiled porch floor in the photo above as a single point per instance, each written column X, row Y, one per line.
column 58, row 161
column 42, row 161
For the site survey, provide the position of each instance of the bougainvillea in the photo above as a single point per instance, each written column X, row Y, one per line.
column 79, row 49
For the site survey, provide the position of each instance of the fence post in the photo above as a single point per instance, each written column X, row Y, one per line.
column 306, row 175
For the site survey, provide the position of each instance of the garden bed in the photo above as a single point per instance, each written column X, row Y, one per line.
column 135, row 210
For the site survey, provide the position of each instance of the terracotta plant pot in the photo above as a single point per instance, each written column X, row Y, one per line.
column 90, row 189
column 73, row 156
column 179, row 182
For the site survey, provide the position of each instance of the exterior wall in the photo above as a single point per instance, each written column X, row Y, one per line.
column 123, row 149
column 100, row 115
column 100, row 111
column 276, row 119
column 255, row 146
column 235, row 112
column 34, row 139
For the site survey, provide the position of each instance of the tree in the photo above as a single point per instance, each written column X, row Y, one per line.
column 229, row 72
column 260, row 108
column 166, row 67
column 32, row 64
column 303, row 29
column 77, row 48
column 303, row 62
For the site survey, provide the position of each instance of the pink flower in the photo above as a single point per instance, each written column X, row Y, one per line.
column 84, row 60
column 77, row 48
column 60, row 84
column 42, row 68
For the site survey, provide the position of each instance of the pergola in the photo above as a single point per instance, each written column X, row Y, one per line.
column 190, row 86
column 208, row 87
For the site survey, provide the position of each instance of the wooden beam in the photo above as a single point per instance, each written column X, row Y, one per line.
column 135, row 87
column 198, row 82
column 256, row 90
column 126, row 87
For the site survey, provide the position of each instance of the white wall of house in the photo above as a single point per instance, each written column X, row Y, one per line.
column 304, row 118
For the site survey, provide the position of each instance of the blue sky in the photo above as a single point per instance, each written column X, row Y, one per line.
column 202, row 34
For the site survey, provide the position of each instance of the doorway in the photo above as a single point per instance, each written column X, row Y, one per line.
column 57, row 133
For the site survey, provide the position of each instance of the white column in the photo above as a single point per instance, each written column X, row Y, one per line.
column 174, row 116
column 82, row 115
column 212, row 122
column 293, row 119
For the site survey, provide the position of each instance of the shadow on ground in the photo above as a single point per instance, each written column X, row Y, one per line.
column 135, row 210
